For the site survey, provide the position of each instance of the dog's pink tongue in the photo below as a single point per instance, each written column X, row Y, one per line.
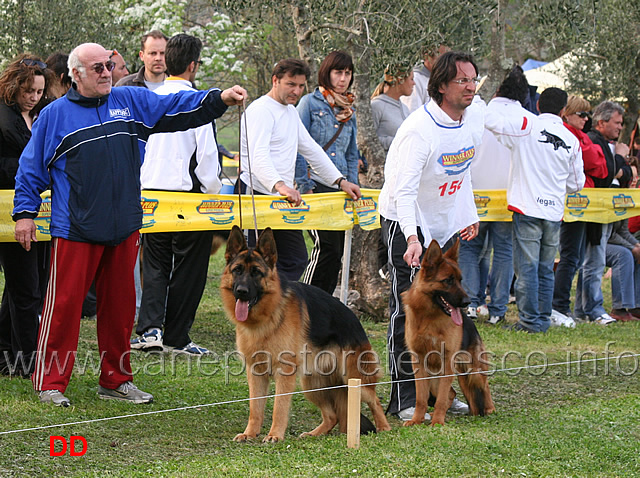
column 456, row 316
column 242, row 310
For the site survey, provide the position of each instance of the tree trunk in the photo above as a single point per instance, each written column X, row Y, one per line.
column 299, row 13
column 499, row 65
column 374, row 292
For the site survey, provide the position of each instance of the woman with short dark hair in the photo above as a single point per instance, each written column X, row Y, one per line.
column 329, row 116
column 22, row 87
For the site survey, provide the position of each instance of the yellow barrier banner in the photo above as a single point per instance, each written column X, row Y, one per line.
column 591, row 205
column 173, row 211
column 164, row 211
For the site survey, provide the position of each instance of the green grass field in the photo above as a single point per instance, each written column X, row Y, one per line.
column 569, row 420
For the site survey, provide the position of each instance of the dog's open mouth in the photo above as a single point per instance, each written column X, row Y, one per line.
column 454, row 312
column 242, row 309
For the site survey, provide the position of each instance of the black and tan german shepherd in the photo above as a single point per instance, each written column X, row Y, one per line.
column 443, row 339
column 285, row 329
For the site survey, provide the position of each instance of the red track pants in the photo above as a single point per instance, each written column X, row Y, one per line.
column 73, row 267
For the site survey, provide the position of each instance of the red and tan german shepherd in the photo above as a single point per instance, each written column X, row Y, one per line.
column 285, row 329
column 443, row 339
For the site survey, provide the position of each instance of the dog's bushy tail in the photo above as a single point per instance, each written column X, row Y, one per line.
column 477, row 393
column 478, row 399
column 366, row 426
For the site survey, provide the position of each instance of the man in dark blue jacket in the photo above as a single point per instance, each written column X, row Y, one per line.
column 90, row 145
column 607, row 125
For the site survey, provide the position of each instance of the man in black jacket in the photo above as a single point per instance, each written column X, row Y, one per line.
column 607, row 124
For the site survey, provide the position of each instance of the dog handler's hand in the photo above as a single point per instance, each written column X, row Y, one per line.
column 293, row 195
column 351, row 189
column 414, row 251
column 234, row 95
column 470, row 232
column 25, row 232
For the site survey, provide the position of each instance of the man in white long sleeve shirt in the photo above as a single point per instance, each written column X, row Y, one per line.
column 175, row 264
column 427, row 195
column 273, row 136
column 546, row 164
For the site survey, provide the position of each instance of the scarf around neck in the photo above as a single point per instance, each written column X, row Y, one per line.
column 340, row 103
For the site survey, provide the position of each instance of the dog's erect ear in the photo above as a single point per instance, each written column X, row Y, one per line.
column 236, row 244
column 267, row 247
column 433, row 257
column 452, row 253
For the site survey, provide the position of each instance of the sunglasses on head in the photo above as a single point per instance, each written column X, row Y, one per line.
column 583, row 114
column 30, row 62
column 99, row 67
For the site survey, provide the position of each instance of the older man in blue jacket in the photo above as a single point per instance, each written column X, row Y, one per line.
column 89, row 145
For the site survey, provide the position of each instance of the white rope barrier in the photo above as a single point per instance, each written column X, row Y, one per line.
column 227, row 402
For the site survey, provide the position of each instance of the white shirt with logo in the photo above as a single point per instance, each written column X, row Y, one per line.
column 427, row 173
column 546, row 159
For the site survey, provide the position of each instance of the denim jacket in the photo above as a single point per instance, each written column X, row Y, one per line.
column 318, row 117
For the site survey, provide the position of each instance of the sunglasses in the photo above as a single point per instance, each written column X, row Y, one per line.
column 583, row 114
column 30, row 62
column 99, row 67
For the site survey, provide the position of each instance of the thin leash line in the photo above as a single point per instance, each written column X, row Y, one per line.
column 240, row 110
column 240, row 400
column 491, row 372
column 156, row 412
column 253, row 197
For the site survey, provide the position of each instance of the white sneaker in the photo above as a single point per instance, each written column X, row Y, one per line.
column 407, row 414
column 472, row 313
column 483, row 311
column 458, row 408
column 558, row 319
column 604, row 319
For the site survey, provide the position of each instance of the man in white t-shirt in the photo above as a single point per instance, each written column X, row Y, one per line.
column 273, row 136
column 427, row 195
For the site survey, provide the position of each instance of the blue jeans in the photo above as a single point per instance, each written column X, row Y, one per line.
column 589, row 300
column 472, row 257
column 625, row 277
column 572, row 245
column 535, row 243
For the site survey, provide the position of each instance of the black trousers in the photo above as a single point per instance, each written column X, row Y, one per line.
column 403, row 389
column 24, row 273
column 325, row 262
column 174, row 268
column 290, row 245
column 292, row 251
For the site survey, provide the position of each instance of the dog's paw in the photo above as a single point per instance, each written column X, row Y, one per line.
column 384, row 428
column 439, row 423
column 272, row 439
column 411, row 423
column 307, row 434
column 242, row 437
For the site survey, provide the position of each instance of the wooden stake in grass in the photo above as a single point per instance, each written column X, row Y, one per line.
column 353, row 414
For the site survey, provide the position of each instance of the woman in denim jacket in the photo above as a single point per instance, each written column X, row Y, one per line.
column 329, row 116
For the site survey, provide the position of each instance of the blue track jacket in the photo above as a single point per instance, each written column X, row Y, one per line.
column 89, row 150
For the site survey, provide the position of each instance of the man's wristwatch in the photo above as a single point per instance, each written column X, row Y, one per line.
column 340, row 181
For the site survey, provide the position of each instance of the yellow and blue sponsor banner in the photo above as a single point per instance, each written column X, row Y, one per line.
column 591, row 204
column 164, row 211
column 173, row 211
